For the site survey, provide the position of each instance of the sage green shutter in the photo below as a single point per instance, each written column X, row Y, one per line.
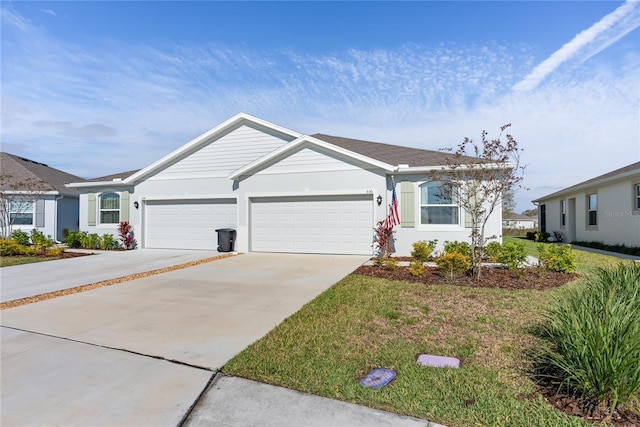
column 124, row 206
column 471, row 187
column 407, row 205
column 91, row 209
column 39, row 206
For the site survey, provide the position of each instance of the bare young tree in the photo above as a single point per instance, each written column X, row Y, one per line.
column 17, row 198
column 480, row 183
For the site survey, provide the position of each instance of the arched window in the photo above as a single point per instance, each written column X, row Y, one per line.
column 437, row 207
column 109, row 208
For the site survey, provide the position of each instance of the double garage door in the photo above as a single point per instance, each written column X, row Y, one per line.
column 318, row 224
column 187, row 224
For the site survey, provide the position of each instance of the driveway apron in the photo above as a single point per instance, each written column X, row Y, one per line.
column 157, row 340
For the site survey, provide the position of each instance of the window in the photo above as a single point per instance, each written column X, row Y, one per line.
column 636, row 199
column 21, row 212
column 543, row 218
column 437, row 207
column 592, row 210
column 109, row 208
column 563, row 213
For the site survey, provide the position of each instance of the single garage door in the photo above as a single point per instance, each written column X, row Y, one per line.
column 187, row 224
column 318, row 224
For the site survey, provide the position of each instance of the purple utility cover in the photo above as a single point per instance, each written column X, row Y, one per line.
column 378, row 378
column 438, row 361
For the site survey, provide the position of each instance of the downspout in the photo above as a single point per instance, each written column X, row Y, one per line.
column 55, row 217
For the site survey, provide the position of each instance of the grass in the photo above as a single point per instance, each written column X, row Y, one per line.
column 362, row 323
column 8, row 261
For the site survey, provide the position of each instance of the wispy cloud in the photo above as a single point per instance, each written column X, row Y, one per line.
column 48, row 12
column 119, row 106
column 588, row 43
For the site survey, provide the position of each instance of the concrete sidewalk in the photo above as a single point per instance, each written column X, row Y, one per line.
column 28, row 280
column 231, row 401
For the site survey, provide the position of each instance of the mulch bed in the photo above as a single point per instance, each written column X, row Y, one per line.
column 492, row 277
column 623, row 417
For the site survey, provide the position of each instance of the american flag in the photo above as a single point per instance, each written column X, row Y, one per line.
column 393, row 218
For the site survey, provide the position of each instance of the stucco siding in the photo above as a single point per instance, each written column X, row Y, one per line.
column 617, row 221
column 223, row 155
column 59, row 213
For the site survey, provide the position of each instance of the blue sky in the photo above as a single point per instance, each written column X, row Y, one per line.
column 94, row 88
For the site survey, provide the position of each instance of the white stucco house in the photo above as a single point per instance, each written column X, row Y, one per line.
column 519, row 222
column 603, row 209
column 282, row 191
column 47, row 205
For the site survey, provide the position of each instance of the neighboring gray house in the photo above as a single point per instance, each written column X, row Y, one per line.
column 603, row 209
column 519, row 222
column 56, row 206
column 281, row 190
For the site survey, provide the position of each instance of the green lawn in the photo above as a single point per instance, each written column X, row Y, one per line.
column 8, row 261
column 363, row 323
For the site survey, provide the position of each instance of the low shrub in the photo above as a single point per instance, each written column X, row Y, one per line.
column 108, row 242
column 537, row 236
column 512, row 255
column 56, row 252
column 492, row 251
column 557, row 258
column 416, row 268
column 390, row 263
column 453, row 264
column 40, row 241
column 462, row 248
column 20, row 237
column 74, row 238
column 422, row 250
column 90, row 241
column 595, row 339
column 13, row 248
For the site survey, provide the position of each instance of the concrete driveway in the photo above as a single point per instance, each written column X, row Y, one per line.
column 27, row 280
column 141, row 352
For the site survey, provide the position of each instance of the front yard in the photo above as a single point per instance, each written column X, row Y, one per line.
column 363, row 323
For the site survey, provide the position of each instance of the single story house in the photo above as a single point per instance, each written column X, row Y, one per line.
column 36, row 197
column 519, row 222
column 603, row 209
column 281, row 191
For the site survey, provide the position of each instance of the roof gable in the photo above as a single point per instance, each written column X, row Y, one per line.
column 19, row 169
column 235, row 122
column 296, row 145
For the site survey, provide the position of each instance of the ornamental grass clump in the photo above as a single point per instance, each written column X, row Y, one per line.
column 595, row 340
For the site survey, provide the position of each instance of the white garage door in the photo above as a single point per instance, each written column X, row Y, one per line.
column 192, row 224
column 323, row 224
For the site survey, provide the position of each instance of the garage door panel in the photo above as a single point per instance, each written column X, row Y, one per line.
column 180, row 224
column 329, row 224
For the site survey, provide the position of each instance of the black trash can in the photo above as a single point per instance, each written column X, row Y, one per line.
column 226, row 239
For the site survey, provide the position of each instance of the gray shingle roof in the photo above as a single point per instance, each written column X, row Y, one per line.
column 121, row 175
column 19, row 169
column 392, row 154
column 623, row 170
